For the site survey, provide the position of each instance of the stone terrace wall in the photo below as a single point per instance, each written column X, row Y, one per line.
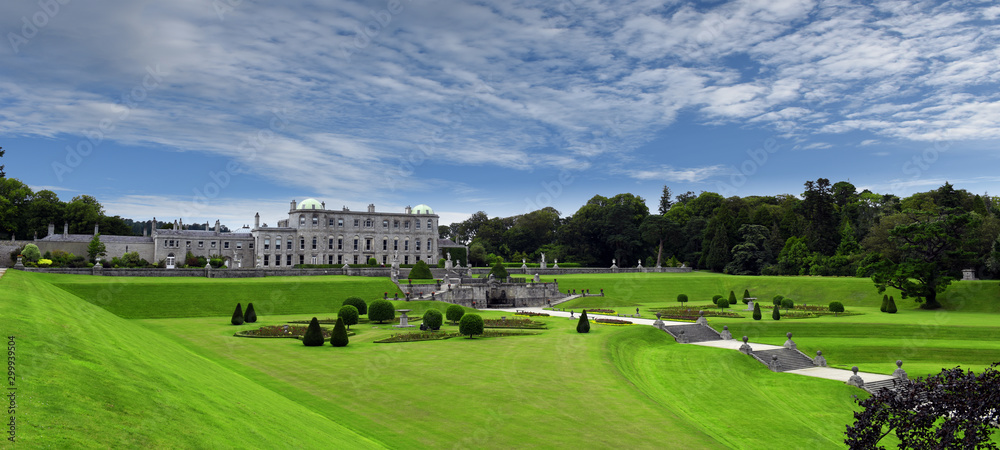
column 360, row 272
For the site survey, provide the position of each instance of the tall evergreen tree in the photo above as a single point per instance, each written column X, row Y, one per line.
column 775, row 314
column 314, row 334
column 756, row 311
column 820, row 213
column 665, row 201
column 238, row 315
column 251, row 315
column 718, row 252
column 583, row 325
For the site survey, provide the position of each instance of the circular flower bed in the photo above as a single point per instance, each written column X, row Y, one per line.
column 283, row 331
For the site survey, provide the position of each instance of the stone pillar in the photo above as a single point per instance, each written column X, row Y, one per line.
column 98, row 269
column 745, row 348
column 856, row 380
column 899, row 372
column 726, row 335
column 789, row 344
column 20, row 263
column 774, row 364
column 819, row 360
column 701, row 318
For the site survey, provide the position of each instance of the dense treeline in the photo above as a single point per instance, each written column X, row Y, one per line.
column 831, row 229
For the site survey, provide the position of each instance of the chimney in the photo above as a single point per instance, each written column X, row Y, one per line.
column 97, row 229
column 144, row 232
column 293, row 205
column 65, row 229
column 175, row 224
column 408, row 210
column 218, row 227
column 371, row 207
column 52, row 229
column 256, row 220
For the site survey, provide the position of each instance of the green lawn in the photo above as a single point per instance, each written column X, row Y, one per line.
column 615, row 387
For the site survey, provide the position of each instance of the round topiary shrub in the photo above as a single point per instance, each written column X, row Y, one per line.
column 787, row 303
column 499, row 272
column 442, row 263
column 381, row 311
column 348, row 314
column 454, row 313
column 238, row 315
column 836, row 307
column 682, row 298
column 715, row 299
column 251, row 315
column 891, row 309
column 722, row 303
column 357, row 303
column 732, row 298
column 777, row 300
column 314, row 334
column 372, row 262
column 433, row 319
column 583, row 326
column 420, row 271
column 756, row 311
column 776, row 314
column 339, row 336
column 471, row 325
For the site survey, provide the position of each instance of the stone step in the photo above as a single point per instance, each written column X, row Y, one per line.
column 693, row 332
column 876, row 386
column 787, row 358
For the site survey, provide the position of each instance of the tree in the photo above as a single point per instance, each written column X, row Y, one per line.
column 96, row 248
column 746, row 296
column 719, row 251
column 238, row 315
column 953, row 409
column 583, row 325
column 339, row 336
column 722, row 303
column 251, row 315
column 794, row 256
column 820, row 212
column 420, row 271
column 349, row 314
column 891, row 309
column 732, row 298
column 682, row 298
column 31, row 253
column 665, row 201
column 499, row 272
column 655, row 230
column 2, row 173
column 775, row 314
column 885, row 303
column 381, row 310
column 756, row 311
column 752, row 253
column 715, row 298
column 787, row 303
column 471, row 325
column 836, row 307
column 82, row 213
column 777, row 300
column 433, row 319
column 477, row 254
column 314, row 334
column 454, row 313
column 357, row 303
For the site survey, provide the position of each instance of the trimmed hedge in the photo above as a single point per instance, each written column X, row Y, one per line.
column 583, row 326
column 454, row 313
column 314, row 334
column 238, row 315
column 471, row 325
column 339, row 336
column 433, row 319
column 420, row 271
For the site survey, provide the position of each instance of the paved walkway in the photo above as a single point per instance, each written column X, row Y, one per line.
column 828, row 373
column 2, row 271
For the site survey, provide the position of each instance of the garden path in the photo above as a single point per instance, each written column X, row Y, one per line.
column 2, row 271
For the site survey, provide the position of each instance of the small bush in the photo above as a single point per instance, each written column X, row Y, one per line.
column 777, row 300
column 238, row 315
column 251, row 315
column 471, row 325
column 722, row 303
column 756, row 311
column 732, row 298
column 787, row 303
column 715, row 299
column 583, row 326
column 339, row 336
column 441, row 263
column 357, row 303
column 499, row 272
column 776, row 314
column 31, row 253
column 420, row 271
column 682, row 298
column 836, row 307
column 433, row 319
column 371, row 262
column 454, row 313
column 314, row 334
column 885, row 303
column 381, row 310
column 348, row 314
column 891, row 309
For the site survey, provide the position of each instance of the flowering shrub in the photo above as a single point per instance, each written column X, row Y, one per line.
column 531, row 314
column 600, row 311
column 44, row 262
column 612, row 321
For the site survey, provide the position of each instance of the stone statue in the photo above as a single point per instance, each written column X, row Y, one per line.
column 899, row 372
column 819, row 360
column 449, row 255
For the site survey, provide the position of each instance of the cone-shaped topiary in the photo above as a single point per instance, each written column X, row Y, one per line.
column 885, row 303
column 746, row 295
column 349, row 314
column 314, row 334
column 420, row 271
column 381, row 310
column 358, row 303
column 756, row 311
column 433, row 319
column 583, row 326
column 776, row 314
column 471, row 325
column 454, row 313
column 250, row 316
column 238, row 315
column 732, row 298
column 339, row 336
column 891, row 309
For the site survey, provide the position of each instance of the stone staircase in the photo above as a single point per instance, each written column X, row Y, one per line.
column 787, row 359
column 694, row 332
column 876, row 386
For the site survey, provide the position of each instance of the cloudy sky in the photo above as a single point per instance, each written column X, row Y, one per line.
column 208, row 109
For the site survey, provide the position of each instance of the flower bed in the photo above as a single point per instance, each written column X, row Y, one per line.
column 512, row 323
column 682, row 311
column 681, row 318
column 417, row 336
column 280, row 331
column 601, row 311
column 530, row 314
column 612, row 321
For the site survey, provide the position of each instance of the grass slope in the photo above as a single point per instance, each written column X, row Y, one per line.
column 87, row 378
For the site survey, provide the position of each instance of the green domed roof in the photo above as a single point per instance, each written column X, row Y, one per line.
column 422, row 209
column 310, row 203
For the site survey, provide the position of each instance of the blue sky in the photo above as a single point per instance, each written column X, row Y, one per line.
column 217, row 109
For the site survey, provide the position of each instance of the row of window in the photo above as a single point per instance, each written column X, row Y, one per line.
column 368, row 223
column 340, row 244
column 329, row 259
column 175, row 243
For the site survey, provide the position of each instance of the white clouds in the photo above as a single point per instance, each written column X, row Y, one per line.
column 668, row 173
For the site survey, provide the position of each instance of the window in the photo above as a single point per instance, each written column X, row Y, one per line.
column 239, row 245
column 302, row 259
column 369, row 223
column 277, row 260
column 329, row 259
column 289, row 242
column 355, row 259
column 395, row 224
column 201, row 244
column 314, row 243
column 406, row 245
column 416, row 258
column 315, row 220
column 340, row 243
column 385, row 224
column 368, row 245
column 406, row 225
column 340, row 259
column 385, row 245
column 406, row 259
column 384, row 259
column 340, row 223
column 331, row 222
column 213, row 244
column 416, row 245
column 288, row 260
column 302, row 220
column 429, row 246
column 267, row 260
column 357, row 222
column 251, row 246
column 267, row 244
column 188, row 244
column 395, row 244
column 225, row 244
column 430, row 224
column 329, row 245
column 417, row 224
column 355, row 245
column 277, row 243
column 302, row 243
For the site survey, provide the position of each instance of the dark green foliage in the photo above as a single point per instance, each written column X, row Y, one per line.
column 238, row 315
column 96, row 248
column 715, row 299
column 787, row 303
column 433, row 319
column 381, row 310
column 751, row 254
column 583, row 325
column 777, row 300
column 357, row 303
column 682, row 298
column 732, row 298
column 836, row 307
column 441, row 263
column 251, row 315
column 371, row 262
column 454, row 313
column 314, row 334
column 420, row 271
column 348, row 314
column 499, row 272
column 722, row 303
column 746, row 294
column 471, row 325
column 756, row 311
column 885, row 303
column 339, row 336
column 891, row 309
column 775, row 314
